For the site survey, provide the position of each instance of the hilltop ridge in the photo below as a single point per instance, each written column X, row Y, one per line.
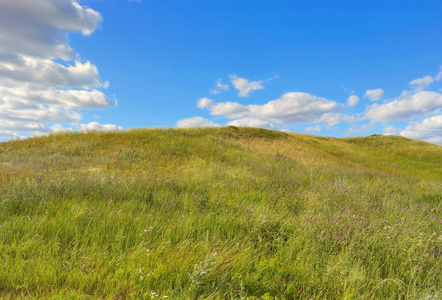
column 175, row 148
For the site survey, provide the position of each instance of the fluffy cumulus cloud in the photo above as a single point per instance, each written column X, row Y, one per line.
column 42, row 79
column 251, row 122
column 291, row 108
column 31, row 98
column 39, row 30
column 244, row 86
column 231, row 110
column 374, row 95
column 421, row 83
column 331, row 119
column 56, row 128
column 204, row 103
column 352, row 100
column 195, row 122
column 44, row 73
column 407, row 107
column 429, row 129
column 95, row 126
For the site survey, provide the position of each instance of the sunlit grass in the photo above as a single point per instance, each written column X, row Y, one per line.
column 219, row 213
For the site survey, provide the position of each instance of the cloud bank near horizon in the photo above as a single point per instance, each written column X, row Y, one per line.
column 419, row 107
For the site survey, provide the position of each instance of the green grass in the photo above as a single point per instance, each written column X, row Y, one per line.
column 220, row 213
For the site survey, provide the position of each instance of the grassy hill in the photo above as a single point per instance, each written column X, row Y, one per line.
column 220, row 213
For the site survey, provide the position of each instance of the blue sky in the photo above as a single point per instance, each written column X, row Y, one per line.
column 331, row 68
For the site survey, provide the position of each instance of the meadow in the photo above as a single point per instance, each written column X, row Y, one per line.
column 219, row 213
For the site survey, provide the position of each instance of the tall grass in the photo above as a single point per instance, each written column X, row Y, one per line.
column 224, row 213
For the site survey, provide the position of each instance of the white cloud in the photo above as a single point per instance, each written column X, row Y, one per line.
column 316, row 128
column 229, row 109
column 220, row 86
column 39, row 30
column 424, row 80
column 195, row 122
column 421, row 83
column 17, row 118
column 95, row 126
column 38, row 129
column 215, row 92
column 19, row 98
column 435, row 140
column 204, row 103
column 429, row 130
column 352, row 100
column 374, row 95
column 10, row 135
column 334, row 118
column 360, row 129
column 244, row 86
column 251, row 122
column 350, row 119
column 36, row 89
column 7, row 128
column 56, row 128
column 408, row 106
column 16, row 70
column 391, row 130
column 439, row 75
column 294, row 107
column 331, row 119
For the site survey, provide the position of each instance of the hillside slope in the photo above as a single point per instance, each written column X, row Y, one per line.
column 219, row 213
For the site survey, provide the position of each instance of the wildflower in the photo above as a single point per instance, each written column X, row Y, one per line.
column 392, row 249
